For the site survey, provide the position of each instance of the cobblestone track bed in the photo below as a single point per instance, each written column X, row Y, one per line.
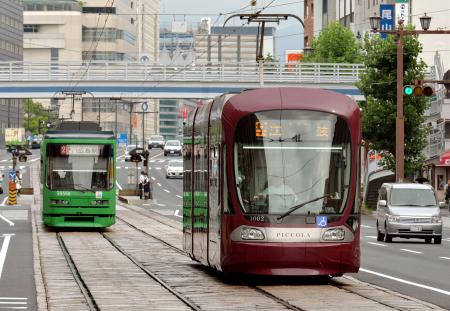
column 114, row 281
column 341, row 293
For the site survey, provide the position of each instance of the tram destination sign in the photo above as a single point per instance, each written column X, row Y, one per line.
column 79, row 150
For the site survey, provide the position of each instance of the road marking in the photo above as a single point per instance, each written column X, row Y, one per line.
column 153, row 178
column 178, row 196
column 370, row 236
column 118, row 185
column 410, row 251
column 365, row 226
column 4, row 160
column 14, row 302
column 445, row 258
column 13, row 298
column 158, row 184
column 11, row 224
column 177, row 215
column 4, row 250
column 166, row 190
column 406, row 282
column 4, row 201
column 158, row 168
column 378, row 244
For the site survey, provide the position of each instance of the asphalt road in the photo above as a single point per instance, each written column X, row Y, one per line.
column 410, row 267
column 17, row 287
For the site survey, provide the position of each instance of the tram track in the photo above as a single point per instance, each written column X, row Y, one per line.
column 76, row 275
column 373, row 295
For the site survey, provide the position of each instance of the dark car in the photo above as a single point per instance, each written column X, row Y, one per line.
column 35, row 143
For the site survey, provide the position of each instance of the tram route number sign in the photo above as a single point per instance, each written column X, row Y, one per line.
column 87, row 150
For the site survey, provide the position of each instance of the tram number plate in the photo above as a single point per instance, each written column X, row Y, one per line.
column 171, row 151
column 415, row 228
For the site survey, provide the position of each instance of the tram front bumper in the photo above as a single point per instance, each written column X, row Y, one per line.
column 308, row 259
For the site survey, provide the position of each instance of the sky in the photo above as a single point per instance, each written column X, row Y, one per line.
column 289, row 34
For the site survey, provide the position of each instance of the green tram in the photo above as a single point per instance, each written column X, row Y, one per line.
column 78, row 174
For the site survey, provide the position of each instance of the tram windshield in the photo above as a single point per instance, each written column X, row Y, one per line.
column 85, row 167
column 283, row 158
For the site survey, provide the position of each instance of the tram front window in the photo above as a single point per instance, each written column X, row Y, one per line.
column 283, row 158
column 79, row 167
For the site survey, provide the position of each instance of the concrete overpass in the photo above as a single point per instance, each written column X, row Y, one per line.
column 136, row 80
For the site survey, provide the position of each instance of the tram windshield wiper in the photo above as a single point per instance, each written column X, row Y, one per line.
column 83, row 188
column 293, row 209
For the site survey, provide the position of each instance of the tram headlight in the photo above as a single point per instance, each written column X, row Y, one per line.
column 436, row 219
column 333, row 234
column 251, row 234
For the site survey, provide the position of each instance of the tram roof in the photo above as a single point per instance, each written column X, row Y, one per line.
column 80, row 134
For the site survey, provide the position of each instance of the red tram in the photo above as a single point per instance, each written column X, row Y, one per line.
column 271, row 183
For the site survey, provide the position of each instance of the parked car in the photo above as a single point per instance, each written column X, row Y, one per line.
column 156, row 141
column 174, row 169
column 172, row 147
column 127, row 151
column 408, row 210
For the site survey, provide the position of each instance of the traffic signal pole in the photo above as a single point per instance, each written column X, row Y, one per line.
column 399, row 121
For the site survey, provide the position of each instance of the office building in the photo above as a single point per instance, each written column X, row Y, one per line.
column 11, row 42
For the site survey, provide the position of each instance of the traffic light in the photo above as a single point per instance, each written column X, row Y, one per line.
column 418, row 89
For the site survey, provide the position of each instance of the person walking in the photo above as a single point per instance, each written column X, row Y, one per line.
column 146, row 187
column 447, row 194
column 18, row 181
column 141, row 185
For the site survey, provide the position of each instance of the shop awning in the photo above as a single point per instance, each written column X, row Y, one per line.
column 444, row 159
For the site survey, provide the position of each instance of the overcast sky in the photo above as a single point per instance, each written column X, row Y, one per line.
column 289, row 33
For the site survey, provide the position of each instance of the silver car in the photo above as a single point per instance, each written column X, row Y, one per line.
column 408, row 210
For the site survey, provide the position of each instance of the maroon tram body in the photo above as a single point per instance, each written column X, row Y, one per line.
column 271, row 183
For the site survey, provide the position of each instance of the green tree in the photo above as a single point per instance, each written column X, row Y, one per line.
column 36, row 116
column 335, row 44
column 378, row 84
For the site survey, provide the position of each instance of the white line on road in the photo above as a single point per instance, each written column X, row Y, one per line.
column 166, row 190
column 370, row 236
column 178, row 196
column 13, row 298
column 158, row 184
column 14, row 302
column 378, row 244
column 158, row 168
column 406, row 282
column 4, row 201
column 118, row 185
column 4, row 250
column 177, row 215
column 410, row 251
column 365, row 226
column 11, row 224
column 445, row 258
column 153, row 178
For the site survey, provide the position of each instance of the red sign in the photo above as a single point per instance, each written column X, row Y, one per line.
column 444, row 159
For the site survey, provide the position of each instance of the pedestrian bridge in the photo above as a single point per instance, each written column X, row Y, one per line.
column 137, row 80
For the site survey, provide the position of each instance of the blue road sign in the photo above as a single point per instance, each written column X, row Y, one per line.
column 387, row 21
column 122, row 138
column 12, row 175
column 322, row 221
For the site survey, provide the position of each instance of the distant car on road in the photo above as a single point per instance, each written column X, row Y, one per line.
column 408, row 210
column 127, row 151
column 156, row 141
column 35, row 143
column 172, row 147
column 174, row 169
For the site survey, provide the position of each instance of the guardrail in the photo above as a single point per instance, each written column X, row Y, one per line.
column 221, row 72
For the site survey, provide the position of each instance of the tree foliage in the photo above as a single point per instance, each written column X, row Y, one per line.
column 36, row 116
column 378, row 84
column 335, row 44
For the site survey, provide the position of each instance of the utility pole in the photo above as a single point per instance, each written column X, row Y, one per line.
column 399, row 124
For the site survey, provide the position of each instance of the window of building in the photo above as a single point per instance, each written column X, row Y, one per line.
column 132, row 21
column 54, row 54
column 99, row 10
column 30, row 28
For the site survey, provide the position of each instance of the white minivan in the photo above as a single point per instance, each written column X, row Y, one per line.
column 408, row 210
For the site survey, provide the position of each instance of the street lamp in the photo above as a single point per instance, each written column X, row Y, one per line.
column 399, row 124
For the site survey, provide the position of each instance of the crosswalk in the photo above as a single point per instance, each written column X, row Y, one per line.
column 13, row 303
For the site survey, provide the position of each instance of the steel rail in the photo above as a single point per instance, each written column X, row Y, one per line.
column 76, row 275
column 184, row 299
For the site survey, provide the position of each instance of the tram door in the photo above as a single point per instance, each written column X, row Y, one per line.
column 200, row 194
